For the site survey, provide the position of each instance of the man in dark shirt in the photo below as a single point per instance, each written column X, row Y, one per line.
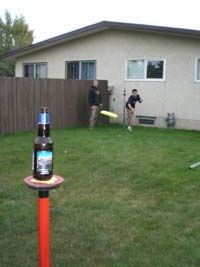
column 95, row 101
column 130, row 106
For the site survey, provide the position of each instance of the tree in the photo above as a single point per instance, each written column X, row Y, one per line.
column 13, row 34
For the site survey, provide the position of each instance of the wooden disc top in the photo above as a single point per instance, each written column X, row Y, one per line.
column 50, row 184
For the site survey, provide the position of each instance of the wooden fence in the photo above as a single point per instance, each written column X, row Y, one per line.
column 21, row 99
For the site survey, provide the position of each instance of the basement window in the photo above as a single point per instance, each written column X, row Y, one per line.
column 144, row 120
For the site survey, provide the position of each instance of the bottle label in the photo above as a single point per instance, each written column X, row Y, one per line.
column 43, row 118
column 44, row 162
column 33, row 161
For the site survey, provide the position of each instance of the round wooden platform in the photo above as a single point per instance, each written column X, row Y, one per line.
column 53, row 183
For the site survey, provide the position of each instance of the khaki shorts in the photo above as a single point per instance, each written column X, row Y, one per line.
column 130, row 114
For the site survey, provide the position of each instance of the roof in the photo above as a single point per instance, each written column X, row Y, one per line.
column 99, row 27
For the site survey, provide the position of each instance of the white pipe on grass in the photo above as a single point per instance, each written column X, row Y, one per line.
column 195, row 165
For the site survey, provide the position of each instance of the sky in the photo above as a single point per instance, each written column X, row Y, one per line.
column 50, row 18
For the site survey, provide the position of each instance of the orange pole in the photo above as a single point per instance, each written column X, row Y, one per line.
column 43, row 226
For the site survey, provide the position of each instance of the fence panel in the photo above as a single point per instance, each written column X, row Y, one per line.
column 21, row 99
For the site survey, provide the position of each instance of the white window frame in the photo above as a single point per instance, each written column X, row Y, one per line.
column 80, row 66
column 145, row 70
column 195, row 72
column 34, row 69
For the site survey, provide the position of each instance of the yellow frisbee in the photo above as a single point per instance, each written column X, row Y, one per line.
column 109, row 114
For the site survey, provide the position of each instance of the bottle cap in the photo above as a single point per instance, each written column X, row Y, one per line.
column 44, row 110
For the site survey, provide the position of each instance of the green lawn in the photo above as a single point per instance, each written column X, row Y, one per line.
column 128, row 199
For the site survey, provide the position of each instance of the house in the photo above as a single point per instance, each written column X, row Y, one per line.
column 162, row 63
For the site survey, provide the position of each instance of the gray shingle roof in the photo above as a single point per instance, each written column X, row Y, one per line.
column 98, row 27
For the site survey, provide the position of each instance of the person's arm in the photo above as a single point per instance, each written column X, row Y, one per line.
column 140, row 100
column 129, row 103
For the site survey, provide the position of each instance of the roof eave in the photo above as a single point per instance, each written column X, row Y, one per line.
column 55, row 41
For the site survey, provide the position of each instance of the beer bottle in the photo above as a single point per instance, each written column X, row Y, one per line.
column 42, row 164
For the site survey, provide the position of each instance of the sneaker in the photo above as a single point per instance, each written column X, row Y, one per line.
column 129, row 129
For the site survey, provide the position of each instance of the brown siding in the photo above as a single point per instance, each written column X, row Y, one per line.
column 21, row 99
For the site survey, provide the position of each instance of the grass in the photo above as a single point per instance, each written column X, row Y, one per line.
column 128, row 199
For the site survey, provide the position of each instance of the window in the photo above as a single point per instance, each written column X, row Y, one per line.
column 197, row 78
column 155, row 70
column 135, row 69
column 85, row 70
column 41, row 70
column 145, row 69
column 144, row 120
column 73, row 70
column 35, row 70
column 88, row 70
column 29, row 70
